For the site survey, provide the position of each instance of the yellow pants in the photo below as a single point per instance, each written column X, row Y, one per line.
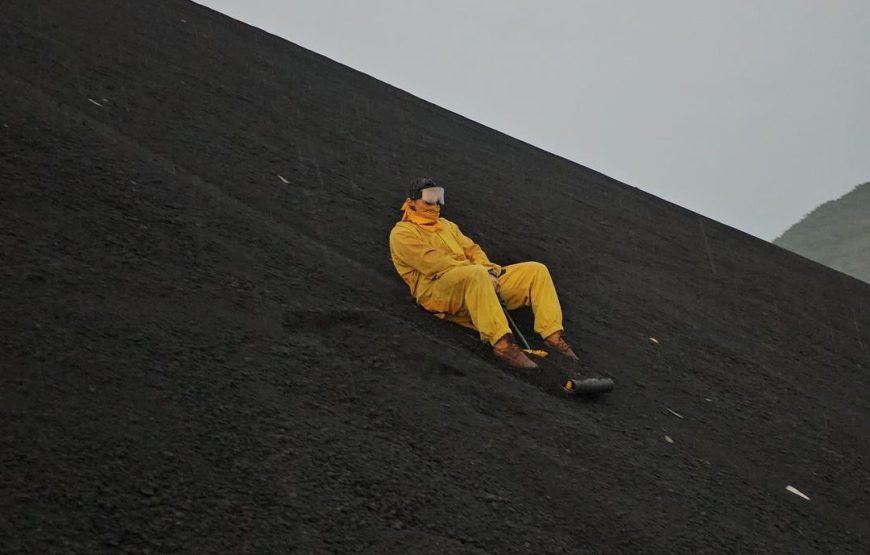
column 465, row 295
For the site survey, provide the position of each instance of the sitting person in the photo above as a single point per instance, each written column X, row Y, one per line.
column 450, row 275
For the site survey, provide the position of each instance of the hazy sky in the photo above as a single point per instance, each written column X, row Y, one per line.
column 750, row 112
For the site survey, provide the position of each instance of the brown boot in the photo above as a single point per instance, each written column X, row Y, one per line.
column 557, row 342
column 507, row 350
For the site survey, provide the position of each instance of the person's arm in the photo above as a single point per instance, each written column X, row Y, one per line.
column 474, row 253
column 419, row 255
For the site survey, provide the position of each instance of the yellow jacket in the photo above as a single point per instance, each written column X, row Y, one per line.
column 422, row 256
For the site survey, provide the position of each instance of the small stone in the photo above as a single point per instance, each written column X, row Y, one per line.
column 675, row 413
column 492, row 498
column 668, row 439
column 794, row 490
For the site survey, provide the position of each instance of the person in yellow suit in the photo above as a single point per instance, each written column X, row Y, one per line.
column 450, row 275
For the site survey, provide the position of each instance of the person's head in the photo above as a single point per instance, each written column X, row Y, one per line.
column 424, row 193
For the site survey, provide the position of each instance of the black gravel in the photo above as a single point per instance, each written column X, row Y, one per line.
column 205, row 347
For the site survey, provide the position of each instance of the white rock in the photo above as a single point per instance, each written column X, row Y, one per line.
column 795, row 491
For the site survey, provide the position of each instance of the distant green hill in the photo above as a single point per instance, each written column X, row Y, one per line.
column 836, row 234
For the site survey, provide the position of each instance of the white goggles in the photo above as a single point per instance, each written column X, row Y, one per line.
column 433, row 195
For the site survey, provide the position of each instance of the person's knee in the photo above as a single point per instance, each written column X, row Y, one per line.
column 478, row 280
column 473, row 277
column 539, row 268
column 478, row 273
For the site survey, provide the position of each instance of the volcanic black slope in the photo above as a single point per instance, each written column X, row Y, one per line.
column 206, row 348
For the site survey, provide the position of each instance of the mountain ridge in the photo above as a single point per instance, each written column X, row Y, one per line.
column 835, row 234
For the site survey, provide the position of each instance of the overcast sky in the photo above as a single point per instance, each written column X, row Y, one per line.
column 750, row 112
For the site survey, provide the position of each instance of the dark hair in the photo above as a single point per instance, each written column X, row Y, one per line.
column 418, row 184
